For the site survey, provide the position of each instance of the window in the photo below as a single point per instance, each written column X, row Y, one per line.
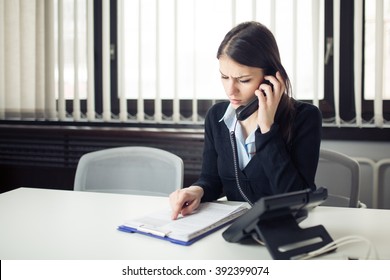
column 153, row 61
column 168, row 48
column 171, row 62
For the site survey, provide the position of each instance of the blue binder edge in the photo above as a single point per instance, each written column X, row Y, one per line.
column 128, row 229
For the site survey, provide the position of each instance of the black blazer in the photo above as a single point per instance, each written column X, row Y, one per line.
column 275, row 168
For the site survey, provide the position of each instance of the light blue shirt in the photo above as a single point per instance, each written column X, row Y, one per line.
column 246, row 148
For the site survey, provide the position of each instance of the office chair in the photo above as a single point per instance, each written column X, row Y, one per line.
column 130, row 170
column 339, row 173
column 382, row 173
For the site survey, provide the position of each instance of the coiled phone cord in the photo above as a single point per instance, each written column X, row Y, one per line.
column 235, row 161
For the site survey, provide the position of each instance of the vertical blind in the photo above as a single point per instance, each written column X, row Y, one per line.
column 376, row 57
column 166, row 51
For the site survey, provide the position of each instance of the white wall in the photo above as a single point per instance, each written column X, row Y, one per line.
column 374, row 160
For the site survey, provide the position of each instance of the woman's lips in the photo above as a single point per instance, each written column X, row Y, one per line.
column 235, row 101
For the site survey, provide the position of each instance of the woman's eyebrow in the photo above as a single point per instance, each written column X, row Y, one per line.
column 240, row 77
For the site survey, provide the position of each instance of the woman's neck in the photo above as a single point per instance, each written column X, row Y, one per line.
column 249, row 125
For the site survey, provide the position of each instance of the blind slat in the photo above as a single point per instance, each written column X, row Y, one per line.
column 294, row 44
column 120, row 57
column 12, row 59
column 60, row 42
column 2, row 65
column 378, row 111
column 194, row 97
column 176, row 104
column 39, row 70
column 76, row 93
column 90, row 63
column 140, row 100
column 358, row 55
column 106, row 60
column 316, row 54
column 157, row 101
column 50, row 101
column 27, row 58
column 336, row 59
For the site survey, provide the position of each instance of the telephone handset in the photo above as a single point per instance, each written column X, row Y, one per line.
column 244, row 111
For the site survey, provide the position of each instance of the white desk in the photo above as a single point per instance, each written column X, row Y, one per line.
column 53, row 224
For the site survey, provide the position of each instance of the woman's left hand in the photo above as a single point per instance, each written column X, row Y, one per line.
column 268, row 103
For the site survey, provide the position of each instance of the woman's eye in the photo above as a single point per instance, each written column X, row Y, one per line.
column 224, row 77
column 244, row 81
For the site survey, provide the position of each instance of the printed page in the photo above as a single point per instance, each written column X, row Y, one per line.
column 207, row 216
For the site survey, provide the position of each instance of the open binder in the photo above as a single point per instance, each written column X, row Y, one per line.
column 209, row 217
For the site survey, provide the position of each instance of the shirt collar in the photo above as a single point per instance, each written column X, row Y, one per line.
column 230, row 120
column 229, row 117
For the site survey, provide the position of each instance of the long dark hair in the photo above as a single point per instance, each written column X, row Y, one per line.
column 253, row 44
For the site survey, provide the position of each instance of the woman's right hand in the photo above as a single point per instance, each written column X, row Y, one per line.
column 269, row 102
column 185, row 201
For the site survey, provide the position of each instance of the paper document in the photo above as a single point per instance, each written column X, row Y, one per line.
column 209, row 217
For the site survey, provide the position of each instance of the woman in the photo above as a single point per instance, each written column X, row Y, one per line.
column 275, row 150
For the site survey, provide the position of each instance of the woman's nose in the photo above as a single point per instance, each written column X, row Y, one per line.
column 231, row 87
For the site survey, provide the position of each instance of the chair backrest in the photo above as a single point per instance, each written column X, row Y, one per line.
column 130, row 170
column 339, row 173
